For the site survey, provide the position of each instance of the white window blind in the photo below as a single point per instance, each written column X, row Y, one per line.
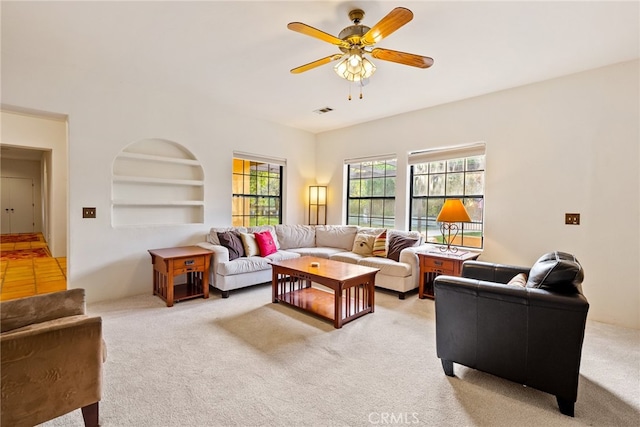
column 446, row 153
column 370, row 159
column 259, row 158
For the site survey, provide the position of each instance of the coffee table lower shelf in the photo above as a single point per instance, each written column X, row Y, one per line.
column 322, row 303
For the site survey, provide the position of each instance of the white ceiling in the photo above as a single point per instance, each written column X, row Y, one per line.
column 239, row 53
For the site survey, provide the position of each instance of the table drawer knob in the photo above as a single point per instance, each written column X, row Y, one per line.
column 189, row 262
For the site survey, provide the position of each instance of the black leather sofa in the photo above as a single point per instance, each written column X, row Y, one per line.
column 529, row 334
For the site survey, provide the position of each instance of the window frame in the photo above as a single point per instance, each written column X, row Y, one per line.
column 386, row 200
column 249, row 198
column 455, row 154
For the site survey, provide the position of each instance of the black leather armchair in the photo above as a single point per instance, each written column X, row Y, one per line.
column 529, row 334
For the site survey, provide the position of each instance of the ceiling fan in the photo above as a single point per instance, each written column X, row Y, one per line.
column 357, row 40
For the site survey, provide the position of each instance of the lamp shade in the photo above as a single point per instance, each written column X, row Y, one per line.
column 453, row 211
column 355, row 67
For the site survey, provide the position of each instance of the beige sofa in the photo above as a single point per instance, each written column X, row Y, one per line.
column 345, row 243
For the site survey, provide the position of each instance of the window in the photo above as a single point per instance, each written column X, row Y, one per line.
column 371, row 193
column 434, row 178
column 257, row 193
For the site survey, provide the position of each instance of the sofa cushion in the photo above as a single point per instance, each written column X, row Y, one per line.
column 282, row 255
column 242, row 265
column 212, row 237
column 349, row 257
column 556, row 270
column 250, row 245
column 397, row 243
column 231, row 241
column 318, row 252
column 363, row 244
column 387, row 266
column 336, row 236
column 380, row 245
column 265, row 242
column 296, row 236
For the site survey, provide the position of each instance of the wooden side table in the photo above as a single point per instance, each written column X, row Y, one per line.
column 434, row 263
column 170, row 262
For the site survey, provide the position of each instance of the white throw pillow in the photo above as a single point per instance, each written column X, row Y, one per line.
column 250, row 245
column 363, row 244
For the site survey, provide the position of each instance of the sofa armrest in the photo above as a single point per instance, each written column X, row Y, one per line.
column 490, row 272
column 409, row 256
column 62, row 360
column 220, row 253
column 41, row 308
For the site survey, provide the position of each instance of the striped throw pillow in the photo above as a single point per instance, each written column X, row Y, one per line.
column 380, row 245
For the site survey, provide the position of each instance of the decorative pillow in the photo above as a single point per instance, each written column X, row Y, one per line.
column 363, row 244
column 231, row 241
column 518, row 280
column 380, row 245
column 250, row 245
column 266, row 243
column 261, row 228
column 397, row 243
column 556, row 270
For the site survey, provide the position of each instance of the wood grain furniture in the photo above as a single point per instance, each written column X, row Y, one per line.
column 352, row 296
column 434, row 263
column 192, row 261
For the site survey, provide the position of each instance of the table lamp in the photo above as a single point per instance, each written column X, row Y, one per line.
column 452, row 212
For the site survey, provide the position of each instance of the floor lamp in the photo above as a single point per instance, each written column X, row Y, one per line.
column 318, row 205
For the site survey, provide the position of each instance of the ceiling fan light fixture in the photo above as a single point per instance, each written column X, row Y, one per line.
column 355, row 67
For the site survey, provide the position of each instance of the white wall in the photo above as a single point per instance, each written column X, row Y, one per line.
column 564, row 145
column 50, row 135
column 104, row 116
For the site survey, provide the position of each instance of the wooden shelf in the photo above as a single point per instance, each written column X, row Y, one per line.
column 157, row 182
column 158, row 203
column 160, row 181
column 154, row 158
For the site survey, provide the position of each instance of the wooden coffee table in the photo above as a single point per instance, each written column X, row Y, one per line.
column 353, row 288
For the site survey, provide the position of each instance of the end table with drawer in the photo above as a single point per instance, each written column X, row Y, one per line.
column 192, row 261
column 434, row 263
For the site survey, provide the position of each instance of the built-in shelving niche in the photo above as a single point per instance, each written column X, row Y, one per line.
column 156, row 182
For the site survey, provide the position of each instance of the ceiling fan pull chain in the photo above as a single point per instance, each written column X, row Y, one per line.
column 349, row 91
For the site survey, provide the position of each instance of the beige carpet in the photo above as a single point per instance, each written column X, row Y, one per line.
column 245, row 361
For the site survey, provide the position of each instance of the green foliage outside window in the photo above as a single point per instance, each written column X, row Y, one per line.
column 257, row 191
column 371, row 193
column 433, row 182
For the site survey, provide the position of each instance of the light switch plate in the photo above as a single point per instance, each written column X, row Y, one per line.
column 88, row 212
column 572, row 218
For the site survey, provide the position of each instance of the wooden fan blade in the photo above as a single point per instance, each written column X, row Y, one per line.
column 314, row 64
column 314, row 32
column 402, row 57
column 387, row 25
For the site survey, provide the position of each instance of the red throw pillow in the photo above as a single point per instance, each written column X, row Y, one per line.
column 265, row 243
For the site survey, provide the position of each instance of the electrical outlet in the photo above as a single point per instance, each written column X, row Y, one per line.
column 88, row 212
column 572, row 218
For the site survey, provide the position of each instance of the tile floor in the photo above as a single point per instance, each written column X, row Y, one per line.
column 30, row 276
